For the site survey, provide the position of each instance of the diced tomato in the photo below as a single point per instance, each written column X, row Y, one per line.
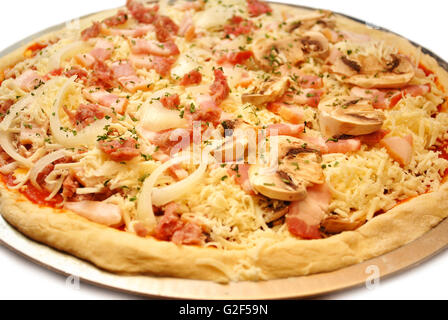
column 38, row 196
column 220, row 89
column 191, row 78
column 257, row 8
column 120, row 150
column 165, row 28
column 170, row 101
column 237, row 26
column 235, row 58
column 425, row 69
column 33, row 49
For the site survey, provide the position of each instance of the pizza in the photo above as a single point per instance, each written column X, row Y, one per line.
column 222, row 140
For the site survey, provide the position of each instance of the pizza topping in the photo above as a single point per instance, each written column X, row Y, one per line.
column 219, row 90
column 270, row 91
column 194, row 77
column 305, row 217
column 298, row 167
column 86, row 114
column 141, row 13
column 400, row 149
column 257, row 8
column 121, row 149
column 349, row 116
column 91, row 32
column 100, row 212
column 30, row 80
column 238, row 26
column 163, row 49
column 314, row 44
column 271, row 54
column 120, row 18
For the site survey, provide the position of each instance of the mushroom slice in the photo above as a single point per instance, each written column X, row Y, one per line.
column 335, row 224
column 308, row 21
column 270, row 54
column 236, row 141
column 397, row 72
column 273, row 210
column 349, row 116
column 314, row 44
column 299, row 166
column 270, row 91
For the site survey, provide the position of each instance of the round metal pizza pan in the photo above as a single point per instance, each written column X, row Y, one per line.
column 386, row 265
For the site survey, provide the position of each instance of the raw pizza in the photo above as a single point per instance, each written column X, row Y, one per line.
column 222, row 140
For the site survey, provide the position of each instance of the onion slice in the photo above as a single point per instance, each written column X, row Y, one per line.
column 43, row 163
column 55, row 62
column 6, row 144
column 85, row 137
column 161, row 196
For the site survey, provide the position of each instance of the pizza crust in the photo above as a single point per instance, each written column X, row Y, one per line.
column 125, row 253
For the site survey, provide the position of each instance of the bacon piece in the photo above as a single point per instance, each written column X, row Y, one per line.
column 374, row 138
column 127, row 77
column 102, row 51
column 257, row 8
column 102, row 76
column 289, row 113
column 175, row 170
column 307, row 97
column 304, row 217
column 190, row 234
column 235, row 58
column 120, row 150
column 283, row 129
column 400, row 149
column 5, row 105
column 163, row 49
column 161, row 65
column 69, row 187
column 344, row 146
column 106, row 99
column 75, row 71
column 191, row 78
column 141, row 13
column 167, row 139
column 219, row 90
column 170, row 101
column 120, row 18
column 29, row 80
column 91, row 32
column 171, row 228
column 85, row 115
column 241, row 174
column 238, row 25
column 209, row 110
column 85, row 59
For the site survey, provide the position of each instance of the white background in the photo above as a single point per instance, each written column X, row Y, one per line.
column 423, row 22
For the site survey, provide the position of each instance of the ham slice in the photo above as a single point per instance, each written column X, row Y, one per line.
column 99, row 212
column 304, row 217
column 400, row 149
column 106, row 99
column 29, row 80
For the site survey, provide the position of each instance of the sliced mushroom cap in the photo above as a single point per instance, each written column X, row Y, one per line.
column 269, row 91
column 270, row 54
column 369, row 71
column 299, row 166
column 314, row 44
column 349, row 116
column 335, row 224
column 235, row 143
